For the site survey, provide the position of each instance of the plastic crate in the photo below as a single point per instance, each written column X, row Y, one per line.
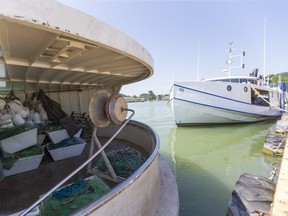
column 66, row 152
column 24, row 165
column 58, row 135
column 19, row 141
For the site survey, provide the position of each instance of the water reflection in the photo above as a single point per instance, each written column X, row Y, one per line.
column 209, row 160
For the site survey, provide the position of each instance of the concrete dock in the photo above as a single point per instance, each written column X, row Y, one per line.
column 279, row 206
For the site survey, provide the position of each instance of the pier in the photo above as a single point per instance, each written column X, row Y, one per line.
column 280, row 204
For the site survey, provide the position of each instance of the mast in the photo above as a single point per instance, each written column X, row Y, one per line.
column 229, row 61
column 264, row 53
column 198, row 62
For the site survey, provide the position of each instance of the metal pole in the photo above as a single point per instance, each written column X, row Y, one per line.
column 105, row 158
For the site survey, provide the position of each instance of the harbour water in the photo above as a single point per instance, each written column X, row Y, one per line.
column 207, row 160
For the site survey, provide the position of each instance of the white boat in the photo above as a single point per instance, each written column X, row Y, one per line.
column 230, row 99
column 81, row 63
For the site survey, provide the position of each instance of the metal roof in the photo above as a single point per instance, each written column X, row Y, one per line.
column 45, row 44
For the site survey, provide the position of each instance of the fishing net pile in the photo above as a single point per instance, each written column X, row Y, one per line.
column 73, row 197
column 124, row 161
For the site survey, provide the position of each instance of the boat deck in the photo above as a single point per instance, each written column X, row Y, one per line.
column 21, row 190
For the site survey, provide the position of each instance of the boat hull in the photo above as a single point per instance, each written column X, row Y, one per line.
column 211, row 103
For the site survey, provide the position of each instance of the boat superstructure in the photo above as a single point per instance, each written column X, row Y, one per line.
column 78, row 64
column 230, row 99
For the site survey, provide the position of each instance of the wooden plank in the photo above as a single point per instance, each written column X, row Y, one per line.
column 280, row 203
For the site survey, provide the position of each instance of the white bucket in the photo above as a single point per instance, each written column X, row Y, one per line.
column 24, row 112
column 18, row 120
column 36, row 118
column 43, row 115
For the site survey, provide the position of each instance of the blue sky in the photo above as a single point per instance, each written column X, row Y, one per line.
column 172, row 30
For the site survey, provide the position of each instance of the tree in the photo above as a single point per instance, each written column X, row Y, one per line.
column 274, row 78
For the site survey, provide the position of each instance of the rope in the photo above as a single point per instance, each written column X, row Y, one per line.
column 276, row 150
column 274, row 171
column 259, row 95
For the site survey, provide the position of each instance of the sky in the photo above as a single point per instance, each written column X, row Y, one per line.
column 189, row 39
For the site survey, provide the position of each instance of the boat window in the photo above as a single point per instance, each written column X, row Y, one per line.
column 243, row 80
column 235, row 80
column 226, row 80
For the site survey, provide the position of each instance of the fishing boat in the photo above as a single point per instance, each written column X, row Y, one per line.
column 74, row 66
column 229, row 99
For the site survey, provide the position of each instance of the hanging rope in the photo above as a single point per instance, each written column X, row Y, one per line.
column 259, row 95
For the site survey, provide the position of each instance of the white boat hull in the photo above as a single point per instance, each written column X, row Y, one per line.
column 211, row 103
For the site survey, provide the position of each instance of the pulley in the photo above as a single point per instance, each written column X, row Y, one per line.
column 116, row 109
column 105, row 108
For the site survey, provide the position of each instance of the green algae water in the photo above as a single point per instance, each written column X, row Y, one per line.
column 207, row 160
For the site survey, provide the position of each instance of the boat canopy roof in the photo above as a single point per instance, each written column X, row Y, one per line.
column 47, row 45
column 237, row 79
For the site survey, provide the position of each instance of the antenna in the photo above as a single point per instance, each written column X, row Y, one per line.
column 229, row 61
column 198, row 62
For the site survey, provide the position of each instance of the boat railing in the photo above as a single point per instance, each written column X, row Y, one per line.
column 26, row 211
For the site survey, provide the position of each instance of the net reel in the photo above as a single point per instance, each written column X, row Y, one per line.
column 105, row 108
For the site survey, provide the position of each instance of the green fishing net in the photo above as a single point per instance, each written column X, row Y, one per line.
column 124, row 161
column 73, row 197
column 8, row 162
column 9, row 132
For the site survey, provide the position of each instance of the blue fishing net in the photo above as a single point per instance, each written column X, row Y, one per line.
column 66, row 142
column 70, row 190
column 73, row 197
